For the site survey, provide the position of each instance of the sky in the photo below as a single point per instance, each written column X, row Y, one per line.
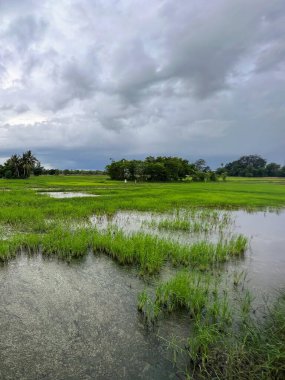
column 84, row 81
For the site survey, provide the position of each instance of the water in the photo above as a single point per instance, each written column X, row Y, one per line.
column 79, row 320
column 264, row 261
column 135, row 221
column 64, row 194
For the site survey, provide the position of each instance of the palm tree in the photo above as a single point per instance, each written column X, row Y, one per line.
column 29, row 161
column 14, row 164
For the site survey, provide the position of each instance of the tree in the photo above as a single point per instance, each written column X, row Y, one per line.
column 160, row 168
column 117, row 169
column 38, row 169
column 14, row 164
column 246, row 166
column 156, row 171
column 200, row 165
column 272, row 169
column 282, row 171
column 251, row 166
column 29, row 162
column 21, row 167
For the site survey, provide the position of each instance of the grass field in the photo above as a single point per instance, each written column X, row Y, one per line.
column 234, row 193
column 228, row 343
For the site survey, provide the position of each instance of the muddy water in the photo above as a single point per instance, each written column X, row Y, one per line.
column 76, row 321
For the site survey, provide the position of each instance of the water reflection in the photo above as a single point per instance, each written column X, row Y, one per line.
column 64, row 194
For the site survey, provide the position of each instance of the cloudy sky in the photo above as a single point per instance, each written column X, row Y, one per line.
column 82, row 81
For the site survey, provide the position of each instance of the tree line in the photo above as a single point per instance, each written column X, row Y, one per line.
column 21, row 166
column 252, row 166
column 71, row 172
column 161, row 169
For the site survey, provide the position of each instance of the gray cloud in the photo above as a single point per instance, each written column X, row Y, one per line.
column 21, row 108
column 125, row 78
column 24, row 31
column 272, row 57
column 6, row 107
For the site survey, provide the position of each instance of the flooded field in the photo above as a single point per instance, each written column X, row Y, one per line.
column 264, row 260
column 79, row 320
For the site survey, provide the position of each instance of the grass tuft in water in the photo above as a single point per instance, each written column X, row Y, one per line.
column 6, row 252
column 66, row 244
column 220, row 345
column 146, row 251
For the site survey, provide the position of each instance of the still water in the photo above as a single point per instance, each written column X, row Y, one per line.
column 264, row 261
column 75, row 321
column 65, row 194
column 79, row 321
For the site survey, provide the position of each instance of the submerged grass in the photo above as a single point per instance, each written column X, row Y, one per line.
column 194, row 221
column 192, row 291
column 254, row 351
column 221, row 345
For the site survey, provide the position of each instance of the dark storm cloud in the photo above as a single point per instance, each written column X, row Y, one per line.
column 128, row 78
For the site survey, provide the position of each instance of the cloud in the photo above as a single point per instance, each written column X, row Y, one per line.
column 123, row 78
column 6, row 107
column 24, row 31
column 271, row 57
column 21, row 108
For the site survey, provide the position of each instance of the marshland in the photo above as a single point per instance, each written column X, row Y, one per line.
column 142, row 280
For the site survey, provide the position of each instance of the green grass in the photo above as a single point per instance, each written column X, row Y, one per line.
column 162, row 197
column 224, row 341
column 147, row 252
column 23, row 209
column 194, row 221
column 193, row 291
column 254, row 351
column 6, row 250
